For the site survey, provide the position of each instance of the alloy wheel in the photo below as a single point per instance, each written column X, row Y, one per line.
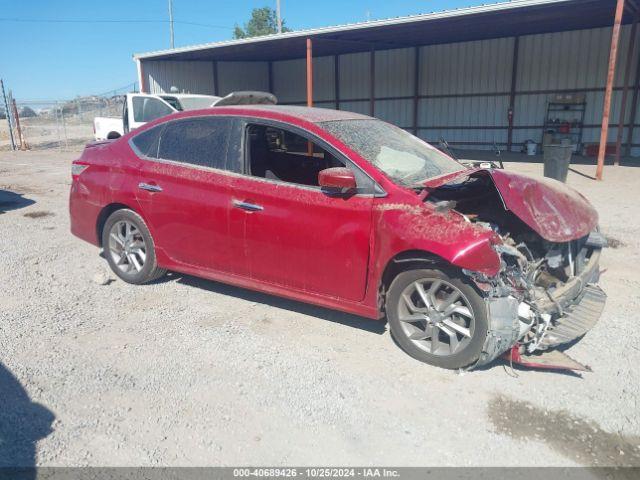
column 127, row 247
column 436, row 316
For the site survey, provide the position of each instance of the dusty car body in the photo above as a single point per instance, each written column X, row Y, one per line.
column 348, row 212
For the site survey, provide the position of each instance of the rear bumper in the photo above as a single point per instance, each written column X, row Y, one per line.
column 83, row 214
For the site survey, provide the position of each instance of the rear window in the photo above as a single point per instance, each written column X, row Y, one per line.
column 197, row 141
column 146, row 143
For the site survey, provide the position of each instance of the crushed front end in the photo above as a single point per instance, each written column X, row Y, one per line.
column 543, row 297
column 546, row 293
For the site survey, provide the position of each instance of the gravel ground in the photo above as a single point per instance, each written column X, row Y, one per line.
column 192, row 372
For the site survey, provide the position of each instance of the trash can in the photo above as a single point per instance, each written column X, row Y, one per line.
column 556, row 161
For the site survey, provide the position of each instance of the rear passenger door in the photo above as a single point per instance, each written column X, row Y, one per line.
column 184, row 190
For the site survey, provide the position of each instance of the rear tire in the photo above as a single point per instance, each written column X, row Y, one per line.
column 129, row 248
column 437, row 317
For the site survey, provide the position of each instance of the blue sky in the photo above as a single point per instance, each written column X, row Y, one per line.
column 51, row 60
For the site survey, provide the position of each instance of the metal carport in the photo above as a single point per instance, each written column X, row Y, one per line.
column 476, row 75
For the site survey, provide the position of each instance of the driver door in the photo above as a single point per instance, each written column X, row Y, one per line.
column 289, row 231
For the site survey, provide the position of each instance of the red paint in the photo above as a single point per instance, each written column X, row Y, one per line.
column 555, row 211
column 338, row 177
column 305, row 244
column 513, row 356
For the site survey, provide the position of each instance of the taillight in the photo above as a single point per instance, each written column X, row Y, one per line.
column 77, row 169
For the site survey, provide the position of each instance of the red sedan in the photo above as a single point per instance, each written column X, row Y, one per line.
column 351, row 213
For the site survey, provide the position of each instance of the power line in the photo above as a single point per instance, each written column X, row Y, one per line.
column 89, row 21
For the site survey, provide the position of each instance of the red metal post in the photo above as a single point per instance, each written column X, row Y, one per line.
column 309, row 73
column 625, row 90
column 606, row 110
column 16, row 117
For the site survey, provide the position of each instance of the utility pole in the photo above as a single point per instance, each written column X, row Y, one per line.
column 278, row 16
column 6, row 112
column 171, row 22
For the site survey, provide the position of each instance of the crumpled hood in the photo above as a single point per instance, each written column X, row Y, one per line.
column 555, row 211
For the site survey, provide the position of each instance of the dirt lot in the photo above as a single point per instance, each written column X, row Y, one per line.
column 192, row 372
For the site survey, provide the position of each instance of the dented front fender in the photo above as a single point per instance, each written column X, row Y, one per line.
column 402, row 227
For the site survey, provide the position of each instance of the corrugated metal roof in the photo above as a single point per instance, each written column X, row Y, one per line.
column 517, row 7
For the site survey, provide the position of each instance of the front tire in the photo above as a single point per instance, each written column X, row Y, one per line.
column 129, row 248
column 437, row 317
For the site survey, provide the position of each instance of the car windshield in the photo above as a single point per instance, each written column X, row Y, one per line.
column 406, row 159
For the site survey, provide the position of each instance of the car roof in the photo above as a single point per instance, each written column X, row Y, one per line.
column 309, row 114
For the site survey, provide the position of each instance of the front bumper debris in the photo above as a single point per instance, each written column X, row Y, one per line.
column 559, row 317
column 577, row 320
column 549, row 360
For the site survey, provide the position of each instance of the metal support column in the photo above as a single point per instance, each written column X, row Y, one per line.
column 512, row 92
column 372, row 82
column 8, row 115
column 336, row 79
column 216, row 86
column 416, row 88
column 634, row 109
column 309, row 86
column 625, row 90
column 309, row 73
column 270, row 76
column 606, row 109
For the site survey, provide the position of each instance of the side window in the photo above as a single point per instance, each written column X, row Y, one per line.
column 146, row 143
column 146, row 109
column 198, row 141
column 280, row 154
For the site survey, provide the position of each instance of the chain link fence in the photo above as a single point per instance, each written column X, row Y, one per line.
column 61, row 124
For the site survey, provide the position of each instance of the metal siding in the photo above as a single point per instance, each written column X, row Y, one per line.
column 569, row 61
column 188, row 77
column 289, row 80
column 398, row 112
column 354, row 76
column 357, row 107
column 234, row 76
column 394, row 73
column 466, row 68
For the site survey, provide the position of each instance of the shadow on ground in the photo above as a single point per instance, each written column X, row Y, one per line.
column 353, row 321
column 13, row 201
column 22, row 424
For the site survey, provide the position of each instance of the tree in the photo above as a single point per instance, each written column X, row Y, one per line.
column 263, row 22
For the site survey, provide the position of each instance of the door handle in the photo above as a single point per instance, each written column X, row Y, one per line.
column 250, row 207
column 150, row 188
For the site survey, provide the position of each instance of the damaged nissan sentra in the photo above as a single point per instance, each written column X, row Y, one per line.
column 351, row 213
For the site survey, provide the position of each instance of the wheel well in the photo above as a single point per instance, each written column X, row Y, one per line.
column 113, row 135
column 408, row 260
column 104, row 214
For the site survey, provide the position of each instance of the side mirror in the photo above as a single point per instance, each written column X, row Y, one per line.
column 338, row 178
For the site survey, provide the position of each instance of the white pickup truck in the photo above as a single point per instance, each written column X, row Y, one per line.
column 140, row 108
